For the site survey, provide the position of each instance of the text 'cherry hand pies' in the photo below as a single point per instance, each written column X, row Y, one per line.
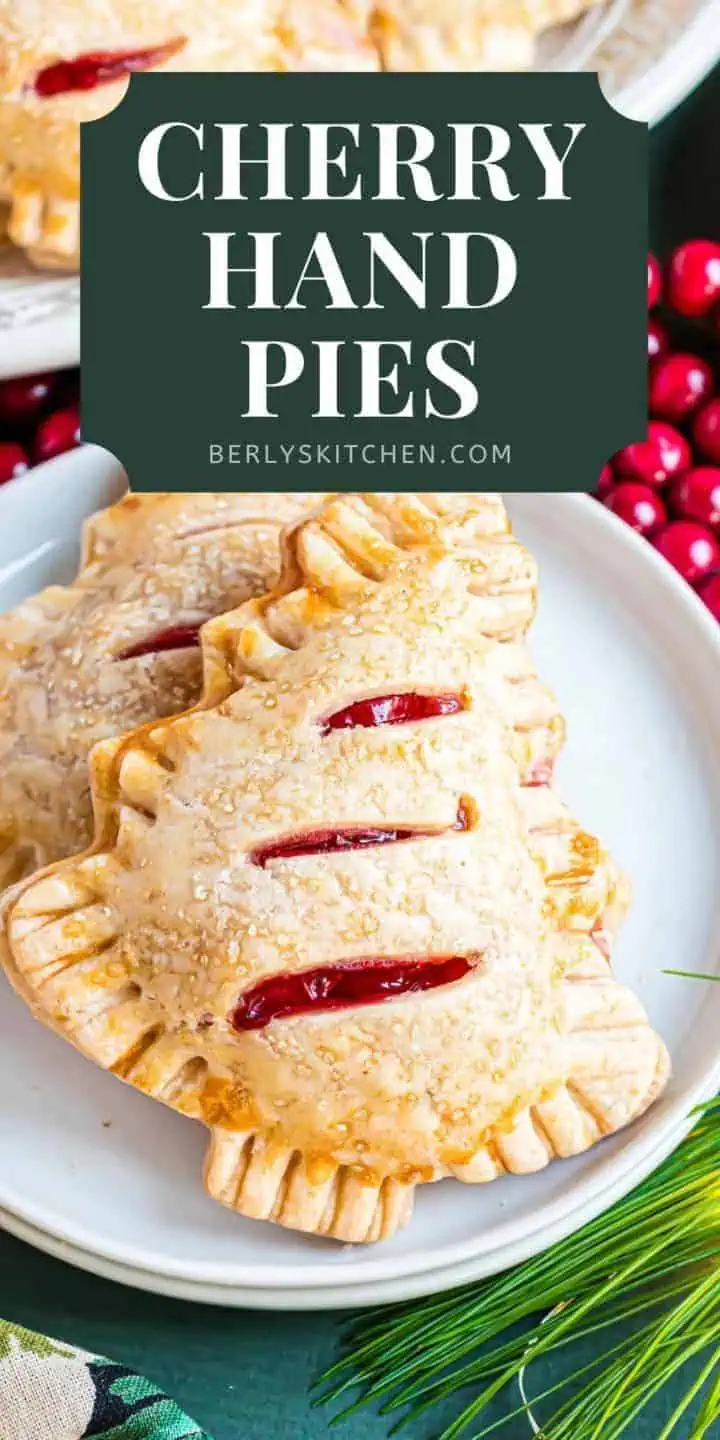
column 67, row 61
column 337, row 912
column 118, row 647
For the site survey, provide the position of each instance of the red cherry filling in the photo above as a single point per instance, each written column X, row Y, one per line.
column 602, row 939
column 176, row 637
column 539, row 774
column 350, row 837
column 392, row 710
column 335, row 987
column 99, row 67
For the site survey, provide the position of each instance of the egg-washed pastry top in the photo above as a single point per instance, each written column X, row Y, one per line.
column 337, row 912
column 118, row 647
column 70, row 60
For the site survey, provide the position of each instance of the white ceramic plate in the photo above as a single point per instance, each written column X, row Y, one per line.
column 648, row 55
column 635, row 659
column 331, row 1297
column 39, row 317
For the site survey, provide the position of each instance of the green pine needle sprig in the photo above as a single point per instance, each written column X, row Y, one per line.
column 639, row 1287
column 693, row 974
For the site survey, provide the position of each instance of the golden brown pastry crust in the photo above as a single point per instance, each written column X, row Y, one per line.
column 151, row 562
column 40, row 135
column 139, row 951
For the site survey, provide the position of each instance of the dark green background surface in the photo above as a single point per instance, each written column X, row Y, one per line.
column 244, row 1376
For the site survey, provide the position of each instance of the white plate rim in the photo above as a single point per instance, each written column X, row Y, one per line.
column 683, row 66
column 346, row 1296
column 643, row 1139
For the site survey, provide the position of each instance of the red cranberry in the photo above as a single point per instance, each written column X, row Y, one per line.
column 706, row 431
column 709, row 592
column 638, row 505
column 694, row 279
column 654, row 281
column 59, row 432
column 678, row 385
column 13, row 461
column 658, row 341
column 691, row 548
column 696, row 495
column 660, row 457
column 606, row 480
column 22, row 399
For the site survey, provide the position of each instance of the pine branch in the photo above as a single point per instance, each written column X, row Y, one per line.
column 653, row 1260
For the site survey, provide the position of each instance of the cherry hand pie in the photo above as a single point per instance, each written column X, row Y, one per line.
column 337, row 912
column 66, row 61
column 117, row 648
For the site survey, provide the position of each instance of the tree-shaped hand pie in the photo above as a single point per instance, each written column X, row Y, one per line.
column 118, row 647
column 336, row 912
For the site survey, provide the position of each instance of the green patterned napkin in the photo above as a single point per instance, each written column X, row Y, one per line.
column 51, row 1391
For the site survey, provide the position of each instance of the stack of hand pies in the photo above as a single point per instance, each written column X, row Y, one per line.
column 70, row 61
column 310, row 880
